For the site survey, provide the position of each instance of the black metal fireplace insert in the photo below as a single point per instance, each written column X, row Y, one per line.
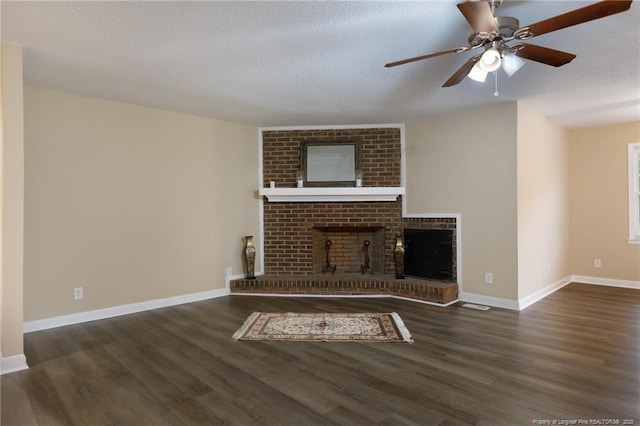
column 429, row 253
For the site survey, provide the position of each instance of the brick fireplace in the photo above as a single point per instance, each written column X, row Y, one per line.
column 296, row 233
column 289, row 230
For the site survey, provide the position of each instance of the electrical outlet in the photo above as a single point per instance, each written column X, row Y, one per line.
column 597, row 263
column 78, row 293
column 488, row 277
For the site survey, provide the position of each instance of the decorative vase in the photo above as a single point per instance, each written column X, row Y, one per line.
column 250, row 257
column 398, row 257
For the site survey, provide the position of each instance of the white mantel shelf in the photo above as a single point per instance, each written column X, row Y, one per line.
column 323, row 195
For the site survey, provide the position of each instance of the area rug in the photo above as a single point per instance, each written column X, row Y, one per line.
column 324, row 327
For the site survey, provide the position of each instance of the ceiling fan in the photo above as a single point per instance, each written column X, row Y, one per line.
column 493, row 33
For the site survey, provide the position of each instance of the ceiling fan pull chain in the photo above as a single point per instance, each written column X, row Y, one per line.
column 496, row 93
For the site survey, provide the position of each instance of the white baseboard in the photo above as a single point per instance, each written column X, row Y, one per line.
column 425, row 302
column 12, row 364
column 481, row 299
column 115, row 311
column 609, row 282
column 18, row 362
column 541, row 294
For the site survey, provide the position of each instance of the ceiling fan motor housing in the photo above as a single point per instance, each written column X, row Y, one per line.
column 507, row 26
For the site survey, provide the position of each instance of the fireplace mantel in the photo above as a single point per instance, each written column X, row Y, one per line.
column 337, row 194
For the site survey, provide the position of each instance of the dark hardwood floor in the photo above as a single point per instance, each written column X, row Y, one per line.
column 572, row 356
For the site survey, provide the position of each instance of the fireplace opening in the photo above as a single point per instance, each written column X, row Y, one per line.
column 429, row 253
column 348, row 249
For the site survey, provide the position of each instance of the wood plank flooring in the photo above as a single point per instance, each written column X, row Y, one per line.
column 572, row 356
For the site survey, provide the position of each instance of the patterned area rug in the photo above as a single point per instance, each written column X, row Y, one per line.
column 358, row 327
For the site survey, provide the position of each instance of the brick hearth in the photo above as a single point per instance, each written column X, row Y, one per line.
column 349, row 285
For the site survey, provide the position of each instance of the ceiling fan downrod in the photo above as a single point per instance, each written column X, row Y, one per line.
column 495, row 4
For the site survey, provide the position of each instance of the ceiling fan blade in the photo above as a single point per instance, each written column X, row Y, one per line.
column 575, row 17
column 459, row 75
column 479, row 16
column 427, row 56
column 544, row 55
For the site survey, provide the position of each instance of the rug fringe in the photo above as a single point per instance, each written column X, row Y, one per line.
column 238, row 334
column 406, row 336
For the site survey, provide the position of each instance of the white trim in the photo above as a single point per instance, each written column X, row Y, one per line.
column 529, row 300
column 260, row 170
column 481, row 299
column 609, row 282
column 425, row 302
column 332, row 126
column 458, row 218
column 403, row 166
column 115, row 311
column 12, row 364
column 432, row 215
column 260, row 203
column 298, row 195
column 633, row 157
column 261, row 231
column 347, row 296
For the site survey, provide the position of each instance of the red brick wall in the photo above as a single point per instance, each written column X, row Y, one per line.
column 380, row 154
column 288, row 230
column 288, row 227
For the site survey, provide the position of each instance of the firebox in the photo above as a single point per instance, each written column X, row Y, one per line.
column 429, row 253
column 348, row 249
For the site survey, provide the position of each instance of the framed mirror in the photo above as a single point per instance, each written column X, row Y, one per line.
column 330, row 163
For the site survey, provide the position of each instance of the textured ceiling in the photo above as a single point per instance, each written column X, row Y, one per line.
column 316, row 62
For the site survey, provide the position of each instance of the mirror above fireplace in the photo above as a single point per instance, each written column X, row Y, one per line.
column 330, row 164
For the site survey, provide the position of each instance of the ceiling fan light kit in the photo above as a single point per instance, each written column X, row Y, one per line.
column 511, row 63
column 493, row 33
column 490, row 60
column 477, row 73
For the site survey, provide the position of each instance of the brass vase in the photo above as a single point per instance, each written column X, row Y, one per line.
column 398, row 257
column 249, row 257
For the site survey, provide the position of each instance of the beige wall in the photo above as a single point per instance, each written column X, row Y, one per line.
column 543, row 202
column 131, row 203
column 135, row 204
column 12, row 200
column 463, row 163
column 599, row 202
